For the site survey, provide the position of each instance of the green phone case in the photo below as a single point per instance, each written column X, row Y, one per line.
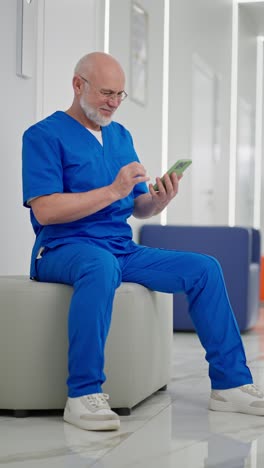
column 178, row 167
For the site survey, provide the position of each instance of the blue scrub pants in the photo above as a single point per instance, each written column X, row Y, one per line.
column 95, row 273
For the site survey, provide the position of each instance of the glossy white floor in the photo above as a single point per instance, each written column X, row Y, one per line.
column 170, row 429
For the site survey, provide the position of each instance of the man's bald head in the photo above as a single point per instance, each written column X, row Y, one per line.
column 98, row 64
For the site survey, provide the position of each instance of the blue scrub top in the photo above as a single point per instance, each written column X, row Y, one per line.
column 61, row 156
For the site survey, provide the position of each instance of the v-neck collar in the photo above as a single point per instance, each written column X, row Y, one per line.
column 104, row 129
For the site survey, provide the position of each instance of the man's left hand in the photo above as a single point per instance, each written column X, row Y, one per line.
column 166, row 191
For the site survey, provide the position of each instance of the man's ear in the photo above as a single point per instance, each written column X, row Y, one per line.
column 77, row 84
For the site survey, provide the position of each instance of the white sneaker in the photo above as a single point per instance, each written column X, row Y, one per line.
column 91, row 412
column 245, row 399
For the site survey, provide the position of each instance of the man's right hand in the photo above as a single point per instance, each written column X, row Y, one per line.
column 127, row 178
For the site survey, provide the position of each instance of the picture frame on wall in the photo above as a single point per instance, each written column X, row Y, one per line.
column 139, row 54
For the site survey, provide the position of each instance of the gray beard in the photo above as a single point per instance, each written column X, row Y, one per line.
column 94, row 115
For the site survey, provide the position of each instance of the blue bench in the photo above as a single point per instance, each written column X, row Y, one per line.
column 238, row 251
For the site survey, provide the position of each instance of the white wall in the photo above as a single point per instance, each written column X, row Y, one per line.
column 203, row 28
column 144, row 122
column 195, row 27
column 17, row 113
column 246, row 113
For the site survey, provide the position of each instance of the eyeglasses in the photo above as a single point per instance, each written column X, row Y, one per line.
column 107, row 93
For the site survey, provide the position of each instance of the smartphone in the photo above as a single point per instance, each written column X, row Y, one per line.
column 178, row 167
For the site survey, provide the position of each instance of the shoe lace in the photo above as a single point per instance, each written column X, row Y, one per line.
column 98, row 400
column 253, row 390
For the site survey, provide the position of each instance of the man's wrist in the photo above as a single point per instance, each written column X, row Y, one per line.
column 114, row 194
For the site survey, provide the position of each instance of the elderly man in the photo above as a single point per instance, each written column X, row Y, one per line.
column 82, row 180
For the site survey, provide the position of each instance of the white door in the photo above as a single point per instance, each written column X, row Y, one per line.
column 203, row 123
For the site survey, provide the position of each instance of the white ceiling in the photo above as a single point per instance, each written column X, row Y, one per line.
column 256, row 11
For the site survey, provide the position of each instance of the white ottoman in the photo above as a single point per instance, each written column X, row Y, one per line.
column 33, row 345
